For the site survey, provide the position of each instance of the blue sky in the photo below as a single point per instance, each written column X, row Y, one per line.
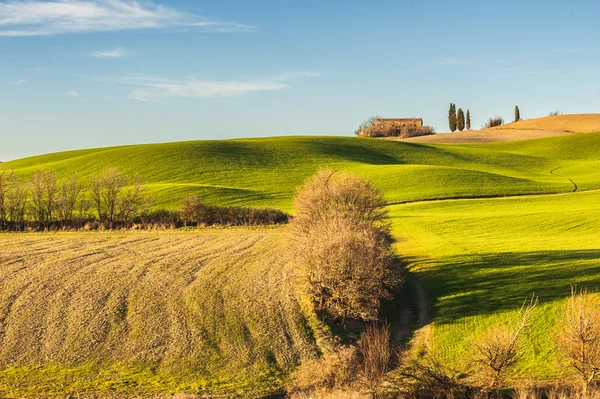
column 82, row 73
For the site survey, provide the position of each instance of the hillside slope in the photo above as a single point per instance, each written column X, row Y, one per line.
column 549, row 126
column 213, row 311
column 265, row 172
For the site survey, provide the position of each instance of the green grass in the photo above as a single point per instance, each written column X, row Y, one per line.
column 265, row 172
column 481, row 259
column 478, row 258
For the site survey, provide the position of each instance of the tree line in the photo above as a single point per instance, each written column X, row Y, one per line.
column 110, row 199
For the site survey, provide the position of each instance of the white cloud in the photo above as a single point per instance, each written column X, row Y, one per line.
column 39, row 17
column 71, row 93
column 118, row 52
column 157, row 89
column 36, row 69
column 20, row 82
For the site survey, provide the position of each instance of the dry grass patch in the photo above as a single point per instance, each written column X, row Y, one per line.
column 147, row 312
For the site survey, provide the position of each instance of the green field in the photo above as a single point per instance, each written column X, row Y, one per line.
column 265, row 172
column 479, row 253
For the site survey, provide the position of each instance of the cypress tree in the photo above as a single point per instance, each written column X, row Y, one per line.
column 460, row 120
column 468, row 120
column 517, row 114
column 452, row 117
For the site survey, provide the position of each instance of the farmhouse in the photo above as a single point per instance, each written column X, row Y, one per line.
column 395, row 126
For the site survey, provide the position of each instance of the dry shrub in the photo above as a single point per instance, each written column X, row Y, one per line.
column 340, row 245
column 499, row 348
column 195, row 212
column 332, row 371
column 331, row 194
column 427, row 377
column 493, row 122
column 375, row 353
column 580, row 336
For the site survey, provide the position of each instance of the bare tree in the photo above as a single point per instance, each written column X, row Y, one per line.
column 133, row 201
column 44, row 192
column 67, row 199
column 7, row 184
column 106, row 190
column 580, row 336
column 16, row 204
column 498, row 350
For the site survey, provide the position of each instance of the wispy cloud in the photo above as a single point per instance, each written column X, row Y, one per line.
column 39, row 18
column 71, row 93
column 152, row 89
column 20, row 82
column 159, row 89
column 37, row 69
column 118, row 52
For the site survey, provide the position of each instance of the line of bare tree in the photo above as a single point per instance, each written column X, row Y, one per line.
column 44, row 202
column 108, row 200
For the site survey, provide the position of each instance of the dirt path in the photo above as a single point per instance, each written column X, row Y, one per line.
column 572, row 182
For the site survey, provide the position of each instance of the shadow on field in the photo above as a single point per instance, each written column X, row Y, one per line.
column 487, row 283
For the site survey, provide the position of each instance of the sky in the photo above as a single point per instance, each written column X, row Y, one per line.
column 84, row 73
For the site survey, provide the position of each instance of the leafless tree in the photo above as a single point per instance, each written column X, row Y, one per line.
column 106, row 190
column 499, row 349
column 68, row 197
column 44, row 192
column 580, row 336
column 133, row 201
column 16, row 204
column 7, row 183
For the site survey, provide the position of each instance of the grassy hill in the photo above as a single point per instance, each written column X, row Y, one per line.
column 265, row 172
column 549, row 126
column 571, row 122
column 478, row 259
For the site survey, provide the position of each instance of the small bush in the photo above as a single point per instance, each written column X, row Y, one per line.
column 555, row 113
column 493, row 122
column 195, row 212
column 499, row 348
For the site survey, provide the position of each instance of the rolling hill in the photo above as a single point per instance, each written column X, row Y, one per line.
column 265, row 172
column 549, row 126
column 482, row 226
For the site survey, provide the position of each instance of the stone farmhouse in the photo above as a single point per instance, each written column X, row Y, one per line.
column 395, row 126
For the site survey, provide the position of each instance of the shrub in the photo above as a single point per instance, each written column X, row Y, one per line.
column 340, row 246
column 493, row 122
column 330, row 195
column 498, row 349
column 195, row 212
column 375, row 354
column 555, row 113
column 580, row 336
